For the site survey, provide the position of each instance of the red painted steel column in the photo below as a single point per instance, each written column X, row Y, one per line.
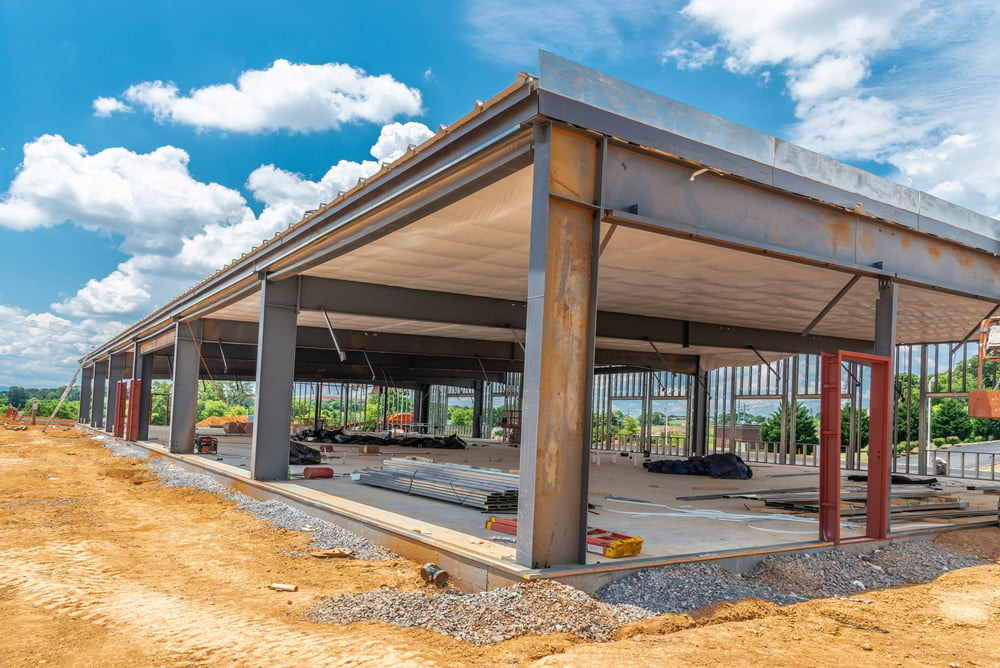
column 132, row 424
column 120, row 402
column 879, row 445
column 829, row 443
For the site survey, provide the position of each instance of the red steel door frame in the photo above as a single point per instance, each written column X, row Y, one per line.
column 132, row 423
column 121, row 401
column 879, row 445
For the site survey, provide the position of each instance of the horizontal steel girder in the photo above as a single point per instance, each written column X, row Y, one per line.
column 230, row 332
column 338, row 296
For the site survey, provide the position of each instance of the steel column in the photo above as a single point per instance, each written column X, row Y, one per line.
column 559, row 351
column 143, row 370
column 885, row 318
column 477, row 409
column 184, row 395
column 275, row 377
column 97, row 396
column 923, row 414
column 86, row 383
column 879, row 447
column 698, row 414
column 116, row 372
column 829, row 449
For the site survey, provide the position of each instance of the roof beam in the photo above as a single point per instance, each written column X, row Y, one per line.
column 371, row 299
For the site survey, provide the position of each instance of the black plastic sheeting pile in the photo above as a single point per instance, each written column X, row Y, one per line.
column 724, row 465
column 452, row 442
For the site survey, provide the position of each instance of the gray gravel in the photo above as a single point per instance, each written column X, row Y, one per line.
column 686, row 587
column 488, row 617
column 787, row 578
column 324, row 534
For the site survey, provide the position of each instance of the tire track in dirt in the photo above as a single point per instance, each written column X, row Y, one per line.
column 70, row 581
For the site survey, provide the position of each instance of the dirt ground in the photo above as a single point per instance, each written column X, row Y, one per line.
column 100, row 565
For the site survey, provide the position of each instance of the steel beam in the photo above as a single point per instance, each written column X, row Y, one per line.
column 97, row 397
column 184, row 393
column 369, row 299
column 275, row 376
column 245, row 333
column 559, row 353
column 86, row 383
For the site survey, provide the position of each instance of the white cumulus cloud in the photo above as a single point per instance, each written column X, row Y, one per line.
column 45, row 347
column 105, row 106
column 286, row 96
column 148, row 198
column 909, row 83
column 175, row 229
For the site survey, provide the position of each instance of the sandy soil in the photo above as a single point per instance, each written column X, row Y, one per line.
column 100, row 565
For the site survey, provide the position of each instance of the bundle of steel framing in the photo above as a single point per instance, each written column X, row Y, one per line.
column 491, row 490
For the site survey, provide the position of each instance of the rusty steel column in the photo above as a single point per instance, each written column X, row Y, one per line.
column 184, row 395
column 272, row 412
column 559, row 350
column 142, row 369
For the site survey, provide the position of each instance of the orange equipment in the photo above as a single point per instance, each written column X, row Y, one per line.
column 986, row 403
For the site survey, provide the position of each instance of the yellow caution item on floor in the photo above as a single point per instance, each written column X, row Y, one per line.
column 599, row 541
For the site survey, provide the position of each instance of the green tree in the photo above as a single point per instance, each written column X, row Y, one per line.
column 863, row 424
column 805, row 426
column 18, row 396
column 950, row 417
column 460, row 416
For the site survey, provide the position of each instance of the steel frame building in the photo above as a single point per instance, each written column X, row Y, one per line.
column 571, row 221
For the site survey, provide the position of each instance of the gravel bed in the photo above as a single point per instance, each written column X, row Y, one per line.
column 324, row 534
column 488, row 617
column 686, row 587
column 787, row 578
column 123, row 449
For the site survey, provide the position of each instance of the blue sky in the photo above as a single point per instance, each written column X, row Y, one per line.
column 144, row 145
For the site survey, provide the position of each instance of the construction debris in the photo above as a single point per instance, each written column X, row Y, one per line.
column 341, row 436
column 491, row 490
column 277, row 586
column 332, row 553
column 599, row 541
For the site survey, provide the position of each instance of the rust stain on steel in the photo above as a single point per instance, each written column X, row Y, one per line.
column 934, row 251
column 867, row 242
column 964, row 260
column 841, row 231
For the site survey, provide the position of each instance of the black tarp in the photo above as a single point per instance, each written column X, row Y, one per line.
column 722, row 465
column 302, row 454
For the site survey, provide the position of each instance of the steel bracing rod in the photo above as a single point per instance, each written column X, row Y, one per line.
column 974, row 330
column 369, row 363
column 833, row 302
column 222, row 352
column 766, row 363
column 607, row 239
column 336, row 344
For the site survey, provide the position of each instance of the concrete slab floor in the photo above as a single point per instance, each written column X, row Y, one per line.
column 668, row 527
